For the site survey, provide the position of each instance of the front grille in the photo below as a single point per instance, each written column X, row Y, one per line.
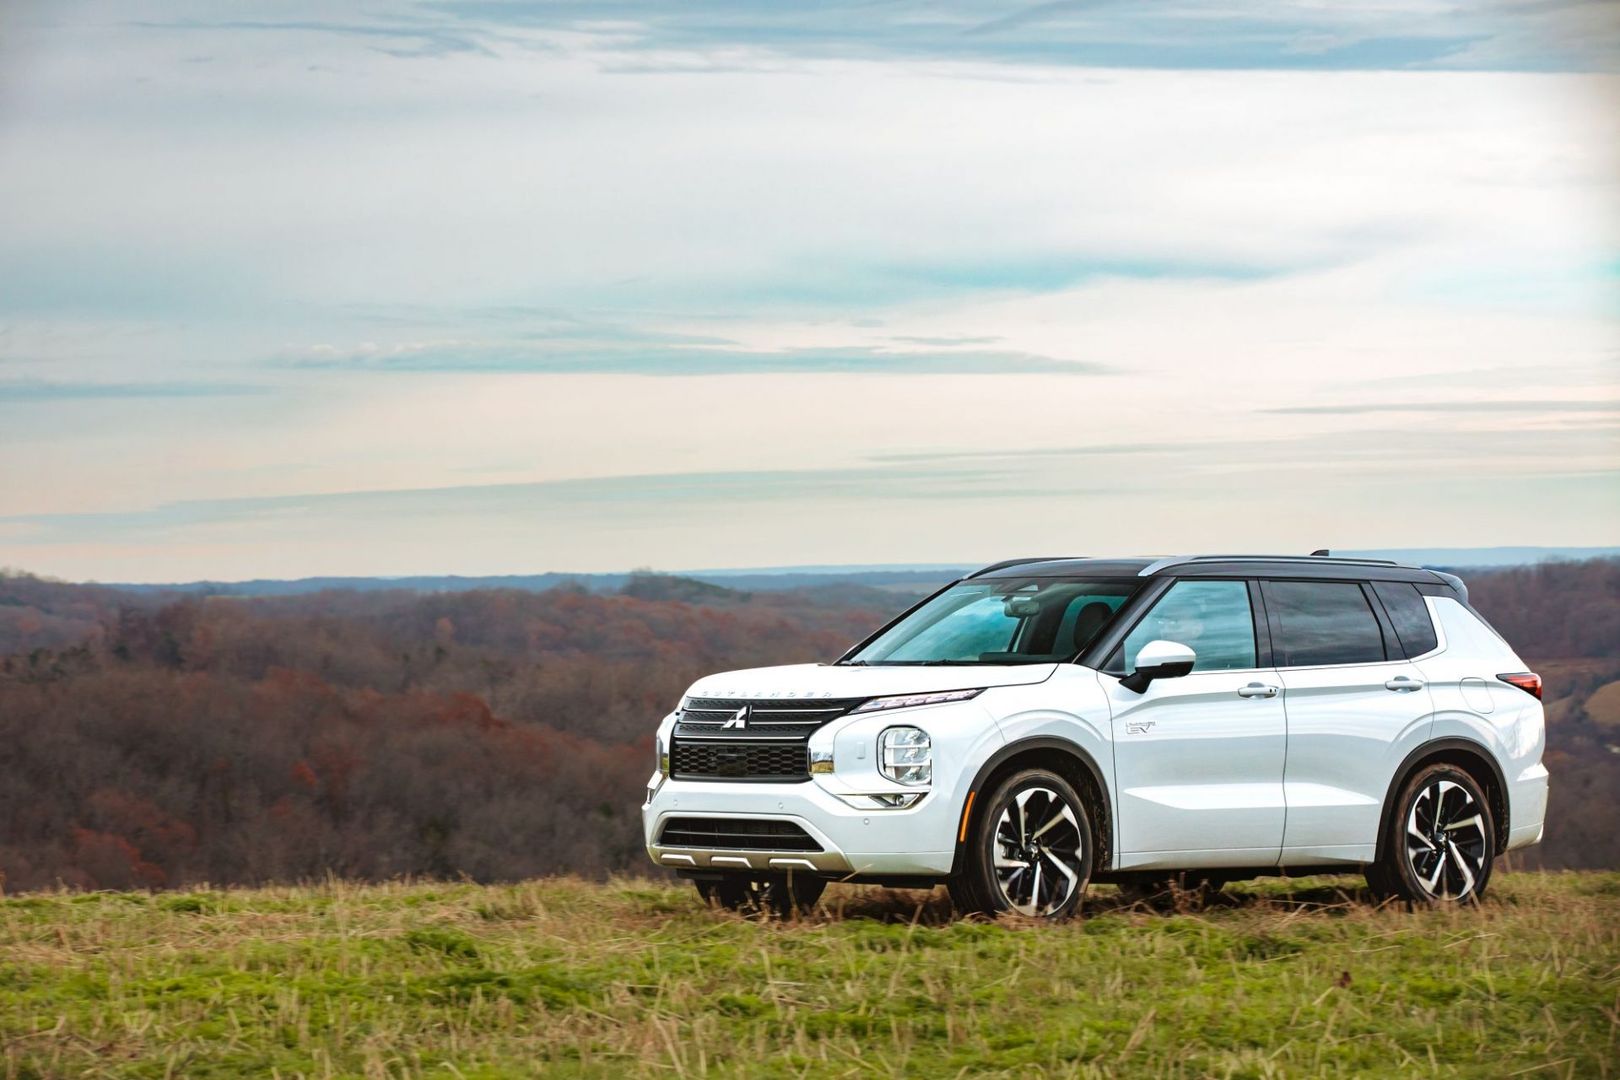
column 772, row 746
column 738, row 761
column 742, row 834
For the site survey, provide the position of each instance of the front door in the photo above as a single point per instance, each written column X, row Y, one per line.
column 1198, row 760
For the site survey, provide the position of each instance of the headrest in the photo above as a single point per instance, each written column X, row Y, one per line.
column 1091, row 619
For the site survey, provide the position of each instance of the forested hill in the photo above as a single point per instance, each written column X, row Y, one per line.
column 496, row 734
column 905, row 577
column 151, row 741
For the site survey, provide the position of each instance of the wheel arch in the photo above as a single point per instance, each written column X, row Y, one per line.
column 1068, row 760
column 1471, row 757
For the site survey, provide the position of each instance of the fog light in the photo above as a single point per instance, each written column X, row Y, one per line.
column 906, row 755
column 885, row 800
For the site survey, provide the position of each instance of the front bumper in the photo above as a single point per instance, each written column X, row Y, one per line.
column 919, row 840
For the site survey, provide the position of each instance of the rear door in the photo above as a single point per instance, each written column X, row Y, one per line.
column 1198, row 760
column 1355, row 707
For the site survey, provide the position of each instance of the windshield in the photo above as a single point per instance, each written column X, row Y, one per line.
column 1001, row 621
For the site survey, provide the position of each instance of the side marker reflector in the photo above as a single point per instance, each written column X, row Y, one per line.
column 967, row 810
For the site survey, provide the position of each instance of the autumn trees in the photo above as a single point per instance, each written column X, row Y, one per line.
column 495, row 734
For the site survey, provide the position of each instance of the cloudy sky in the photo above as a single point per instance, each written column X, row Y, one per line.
column 491, row 287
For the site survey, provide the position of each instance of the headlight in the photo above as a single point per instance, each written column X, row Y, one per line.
column 906, row 701
column 906, row 755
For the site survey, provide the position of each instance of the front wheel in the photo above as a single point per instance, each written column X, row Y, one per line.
column 778, row 894
column 1029, row 851
column 1441, row 840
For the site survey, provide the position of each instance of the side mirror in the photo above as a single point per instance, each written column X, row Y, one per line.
column 1159, row 660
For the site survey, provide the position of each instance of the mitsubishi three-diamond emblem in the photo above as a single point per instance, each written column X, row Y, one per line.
column 738, row 720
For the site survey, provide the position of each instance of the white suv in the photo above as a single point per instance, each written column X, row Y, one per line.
column 1044, row 723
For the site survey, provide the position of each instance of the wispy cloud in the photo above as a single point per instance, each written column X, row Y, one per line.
column 399, row 38
column 1035, row 13
column 1050, row 271
column 944, row 340
column 37, row 390
column 519, row 358
column 1015, row 453
column 653, row 493
column 1517, row 406
column 1492, row 34
column 729, row 36
column 852, row 280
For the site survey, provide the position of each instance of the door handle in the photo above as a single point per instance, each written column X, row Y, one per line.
column 1255, row 689
column 1401, row 684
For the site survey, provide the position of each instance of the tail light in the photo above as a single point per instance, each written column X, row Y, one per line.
column 1528, row 681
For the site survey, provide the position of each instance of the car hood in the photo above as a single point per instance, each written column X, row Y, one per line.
column 835, row 681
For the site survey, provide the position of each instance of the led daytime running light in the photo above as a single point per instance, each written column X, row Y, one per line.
column 907, row 701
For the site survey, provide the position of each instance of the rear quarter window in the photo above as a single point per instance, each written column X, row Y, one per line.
column 1409, row 614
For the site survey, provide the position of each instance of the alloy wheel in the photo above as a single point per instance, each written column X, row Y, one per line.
column 1038, row 852
column 1446, row 841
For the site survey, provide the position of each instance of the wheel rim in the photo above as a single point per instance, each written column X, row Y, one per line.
column 1446, row 841
column 1038, row 847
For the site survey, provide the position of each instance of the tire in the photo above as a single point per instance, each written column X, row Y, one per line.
column 781, row 895
column 1183, row 890
column 1440, row 843
column 1029, row 850
column 1378, row 882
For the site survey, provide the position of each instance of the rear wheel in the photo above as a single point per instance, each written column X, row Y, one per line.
column 1029, row 851
column 778, row 894
column 1441, row 840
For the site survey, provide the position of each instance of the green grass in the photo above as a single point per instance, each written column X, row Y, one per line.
column 635, row 978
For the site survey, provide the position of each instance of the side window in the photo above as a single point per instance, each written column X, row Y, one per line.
column 1321, row 622
column 1409, row 614
column 1213, row 618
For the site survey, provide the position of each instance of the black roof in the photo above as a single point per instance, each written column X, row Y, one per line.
column 1277, row 566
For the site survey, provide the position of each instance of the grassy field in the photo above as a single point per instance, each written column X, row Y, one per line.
column 567, row 978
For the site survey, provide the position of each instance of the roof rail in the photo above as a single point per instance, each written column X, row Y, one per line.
column 1176, row 560
column 1005, row 563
